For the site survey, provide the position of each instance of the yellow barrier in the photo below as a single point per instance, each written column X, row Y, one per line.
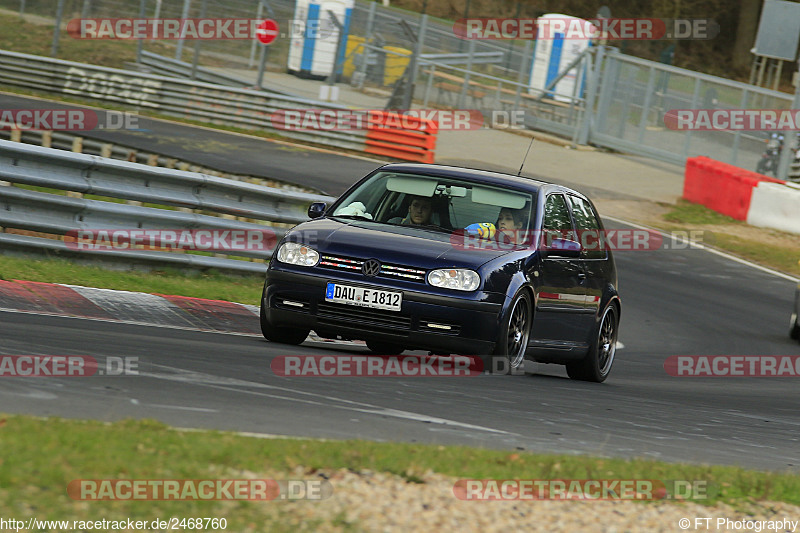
column 395, row 65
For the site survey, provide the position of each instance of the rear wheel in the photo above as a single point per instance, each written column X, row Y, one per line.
column 597, row 364
column 509, row 352
column 794, row 327
column 384, row 348
column 283, row 334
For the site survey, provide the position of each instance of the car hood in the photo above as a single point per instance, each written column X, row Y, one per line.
column 405, row 245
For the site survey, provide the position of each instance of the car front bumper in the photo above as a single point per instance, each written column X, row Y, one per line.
column 297, row 299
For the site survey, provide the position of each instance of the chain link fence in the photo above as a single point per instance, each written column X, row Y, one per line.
column 635, row 94
column 620, row 105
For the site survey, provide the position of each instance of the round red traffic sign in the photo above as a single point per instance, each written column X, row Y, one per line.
column 267, row 31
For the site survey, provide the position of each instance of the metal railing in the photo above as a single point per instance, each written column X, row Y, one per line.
column 76, row 142
column 634, row 94
column 195, row 100
column 166, row 66
column 55, row 214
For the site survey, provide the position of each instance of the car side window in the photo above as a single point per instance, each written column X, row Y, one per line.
column 588, row 226
column 557, row 223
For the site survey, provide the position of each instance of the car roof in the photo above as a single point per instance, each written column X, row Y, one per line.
column 483, row 176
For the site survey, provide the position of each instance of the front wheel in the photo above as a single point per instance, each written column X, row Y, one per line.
column 509, row 352
column 283, row 334
column 794, row 327
column 596, row 366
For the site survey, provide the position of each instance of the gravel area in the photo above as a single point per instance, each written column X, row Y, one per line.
column 382, row 502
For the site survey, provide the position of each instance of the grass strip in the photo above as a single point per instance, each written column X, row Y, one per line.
column 210, row 284
column 41, row 457
column 774, row 249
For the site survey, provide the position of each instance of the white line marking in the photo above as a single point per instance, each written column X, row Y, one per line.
column 708, row 249
column 219, row 382
column 180, row 407
column 425, row 418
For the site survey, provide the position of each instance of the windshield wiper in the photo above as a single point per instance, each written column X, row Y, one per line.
column 436, row 227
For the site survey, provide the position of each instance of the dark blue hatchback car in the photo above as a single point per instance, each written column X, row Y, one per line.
column 453, row 261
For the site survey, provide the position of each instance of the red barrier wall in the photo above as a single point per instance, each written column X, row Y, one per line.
column 719, row 186
column 415, row 141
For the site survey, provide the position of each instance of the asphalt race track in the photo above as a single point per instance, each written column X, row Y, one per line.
column 687, row 302
column 223, row 151
column 675, row 302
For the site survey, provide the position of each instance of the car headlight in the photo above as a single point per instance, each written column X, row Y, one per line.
column 459, row 279
column 297, row 254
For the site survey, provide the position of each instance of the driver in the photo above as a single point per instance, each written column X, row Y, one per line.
column 419, row 212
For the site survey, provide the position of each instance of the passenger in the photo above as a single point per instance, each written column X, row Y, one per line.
column 511, row 223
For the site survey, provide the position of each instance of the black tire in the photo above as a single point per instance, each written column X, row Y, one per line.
column 596, row 366
column 794, row 327
column 384, row 348
column 283, row 334
column 509, row 352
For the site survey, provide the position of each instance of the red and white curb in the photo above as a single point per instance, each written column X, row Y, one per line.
column 776, row 206
column 179, row 312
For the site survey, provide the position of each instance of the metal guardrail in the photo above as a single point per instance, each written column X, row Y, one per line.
column 77, row 142
column 166, row 66
column 195, row 100
column 56, row 214
column 88, row 174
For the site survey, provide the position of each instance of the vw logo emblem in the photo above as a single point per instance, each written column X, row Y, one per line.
column 371, row 267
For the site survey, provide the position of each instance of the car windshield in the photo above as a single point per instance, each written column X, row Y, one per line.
column 440, row 204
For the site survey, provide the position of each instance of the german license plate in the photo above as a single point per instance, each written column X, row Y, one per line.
column 363, row 297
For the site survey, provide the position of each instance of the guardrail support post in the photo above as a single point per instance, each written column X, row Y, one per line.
column 591, row 94
column 462, row 96
column 16, row 136
column 184, row 14
column 57, row 29
column 77, row 147
column 47, row 139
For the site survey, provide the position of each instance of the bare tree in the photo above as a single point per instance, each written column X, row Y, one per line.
column 749, row 12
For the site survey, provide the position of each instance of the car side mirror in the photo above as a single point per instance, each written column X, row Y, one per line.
column 317, row 209
column 561, row 248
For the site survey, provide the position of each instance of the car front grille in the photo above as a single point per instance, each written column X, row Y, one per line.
column 349, row 264
column 371, row 319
